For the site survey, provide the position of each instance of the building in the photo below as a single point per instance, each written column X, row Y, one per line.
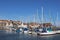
column 34, row 25
column 7, row 24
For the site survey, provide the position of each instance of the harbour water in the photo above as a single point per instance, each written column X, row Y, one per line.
column 21, row 36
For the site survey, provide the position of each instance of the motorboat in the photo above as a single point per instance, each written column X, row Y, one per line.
column 25, row 30
column 19, row 30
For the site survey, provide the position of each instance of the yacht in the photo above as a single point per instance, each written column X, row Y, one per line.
column 25, row 30
column 47, row 32
column 19, row 30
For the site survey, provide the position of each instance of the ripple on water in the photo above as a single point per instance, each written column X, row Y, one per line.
column 21, row 36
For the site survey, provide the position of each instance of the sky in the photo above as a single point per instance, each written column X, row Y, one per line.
column 26, row 10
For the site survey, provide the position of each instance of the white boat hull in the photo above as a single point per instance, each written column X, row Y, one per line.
column 58, row 32
column 30, row 32
column 25, row 31
column 47, row 33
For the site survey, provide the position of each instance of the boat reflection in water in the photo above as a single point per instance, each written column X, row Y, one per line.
column 22, row 36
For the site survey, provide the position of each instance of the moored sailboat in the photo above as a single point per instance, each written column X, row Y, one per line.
column 46, row 30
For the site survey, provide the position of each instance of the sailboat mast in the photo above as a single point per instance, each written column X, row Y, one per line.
column 42, row 16
column 56, row 19
column 50, row 17
column 34, row 18
column 38, row 17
